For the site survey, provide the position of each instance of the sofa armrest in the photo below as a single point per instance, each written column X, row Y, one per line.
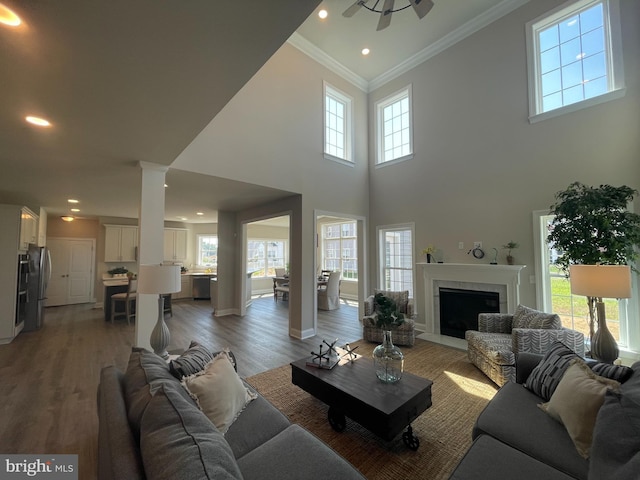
column 538, row 340
column 495, row 322
column 525, row 363
column 368, row 306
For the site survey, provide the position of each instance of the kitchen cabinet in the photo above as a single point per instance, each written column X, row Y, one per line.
column 120, row 243
column 28, row 228
column 185, row 288
column 175, row 244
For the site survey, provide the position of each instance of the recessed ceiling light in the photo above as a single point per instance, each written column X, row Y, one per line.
column 8, row 17
column 75, row 210
column 73, row 200
column 67, row 218
column 182, row 218
column 38, row 121
column 199, row 213
column 323, row 14
column 165, row 185
column 366, row 51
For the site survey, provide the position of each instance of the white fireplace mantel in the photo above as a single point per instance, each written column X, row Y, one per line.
column 504, row 279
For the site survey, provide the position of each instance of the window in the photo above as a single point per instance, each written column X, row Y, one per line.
column 208, row 250
column 554, row 294
column 574, row 57
column 337, row 124
column 395, row 139
column 340, row 249
column 396, row 258
column 264, row 256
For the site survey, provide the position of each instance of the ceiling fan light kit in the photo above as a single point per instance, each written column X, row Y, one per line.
column 421, row 7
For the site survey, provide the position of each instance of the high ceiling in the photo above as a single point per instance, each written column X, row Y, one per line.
column 124, row 82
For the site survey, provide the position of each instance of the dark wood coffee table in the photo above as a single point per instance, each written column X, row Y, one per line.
column 353, row 390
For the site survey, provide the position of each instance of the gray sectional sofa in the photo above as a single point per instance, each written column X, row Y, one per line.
column 149, row 427
column 514, row 438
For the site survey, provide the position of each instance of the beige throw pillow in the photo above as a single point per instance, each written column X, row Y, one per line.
column 219, row 392
column 576, row 402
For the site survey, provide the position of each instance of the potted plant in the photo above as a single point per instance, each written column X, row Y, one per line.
column 593, row 226
column 511, row 245
column 428, row 252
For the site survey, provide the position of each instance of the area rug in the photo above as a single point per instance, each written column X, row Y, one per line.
column 459, row 393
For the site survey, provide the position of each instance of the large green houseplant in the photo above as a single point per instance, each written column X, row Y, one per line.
column 592, row 226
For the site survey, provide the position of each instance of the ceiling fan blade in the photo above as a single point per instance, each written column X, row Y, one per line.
column 385, row 16
column 354, row 8
column 421, row 7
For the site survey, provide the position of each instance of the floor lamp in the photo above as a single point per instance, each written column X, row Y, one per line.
column 160, row 280
column 601, row 281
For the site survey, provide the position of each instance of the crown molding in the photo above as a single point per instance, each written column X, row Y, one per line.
column 472, row 26
column 308, row 48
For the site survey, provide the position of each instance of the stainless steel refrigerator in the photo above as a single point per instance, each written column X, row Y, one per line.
column 39, row 276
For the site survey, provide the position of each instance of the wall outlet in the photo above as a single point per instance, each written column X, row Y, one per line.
column 477, row 244
column 460, row 245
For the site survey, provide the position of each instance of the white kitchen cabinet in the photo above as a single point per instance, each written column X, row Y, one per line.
column 120, row 243
column 185, row 288
column 175, row 244
column 28, row 228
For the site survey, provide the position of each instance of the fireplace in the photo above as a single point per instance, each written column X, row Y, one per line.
column 459, row 309
column 503, row 280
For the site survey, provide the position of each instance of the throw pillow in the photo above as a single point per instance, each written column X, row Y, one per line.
column 219, row 392
column 615, row 451
column 178, row 441
column 194, row 359
column 546, row 376
column 621, row 373
column 525, row 317
column 576, row 402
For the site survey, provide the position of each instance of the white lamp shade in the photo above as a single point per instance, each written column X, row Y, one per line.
column 602, row 281
column 159, row 279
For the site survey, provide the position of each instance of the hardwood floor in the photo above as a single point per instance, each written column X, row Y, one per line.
column 49, row 377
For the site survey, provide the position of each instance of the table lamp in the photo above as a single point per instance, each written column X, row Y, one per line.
column 160, row 280
column 601, row 281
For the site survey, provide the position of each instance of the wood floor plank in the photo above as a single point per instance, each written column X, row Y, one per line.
column 49, row 377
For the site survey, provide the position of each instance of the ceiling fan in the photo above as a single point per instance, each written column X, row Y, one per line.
column 421, row 7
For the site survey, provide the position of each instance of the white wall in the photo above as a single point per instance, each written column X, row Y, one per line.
column 480, row 168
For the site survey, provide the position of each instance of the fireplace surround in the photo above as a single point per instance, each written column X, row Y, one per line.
column 501, row 279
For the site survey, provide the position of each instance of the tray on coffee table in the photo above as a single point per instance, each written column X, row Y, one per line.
column 351, row 389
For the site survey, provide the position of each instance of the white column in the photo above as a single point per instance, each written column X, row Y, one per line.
column 151, row 244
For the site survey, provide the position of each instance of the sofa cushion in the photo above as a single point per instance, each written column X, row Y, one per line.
column 525, row 317
column 497, row 347
column 295, row 454
column 615, row 451
column 544, row 379
column 243, row 436
column 490, row 458
column 178, row 441
column 145, row 373
column 514, row 418
column 219, row 392
column 576, row 402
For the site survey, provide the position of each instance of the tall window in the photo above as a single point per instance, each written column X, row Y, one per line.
column 395, row 138
column 337, row 124
column 340, row 249
column 555, row 293
column 395, row 245
column 264, row 256
column 574, row 55
column 208, row 250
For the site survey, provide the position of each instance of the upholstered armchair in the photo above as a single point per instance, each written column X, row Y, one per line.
column 403, row 334
column 501, row 337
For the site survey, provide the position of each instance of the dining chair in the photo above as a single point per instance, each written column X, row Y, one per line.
column 329, row 295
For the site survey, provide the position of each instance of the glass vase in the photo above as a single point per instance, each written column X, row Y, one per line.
column 388, row 360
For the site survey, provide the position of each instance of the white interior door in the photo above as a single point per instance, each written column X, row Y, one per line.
column 72, row 261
